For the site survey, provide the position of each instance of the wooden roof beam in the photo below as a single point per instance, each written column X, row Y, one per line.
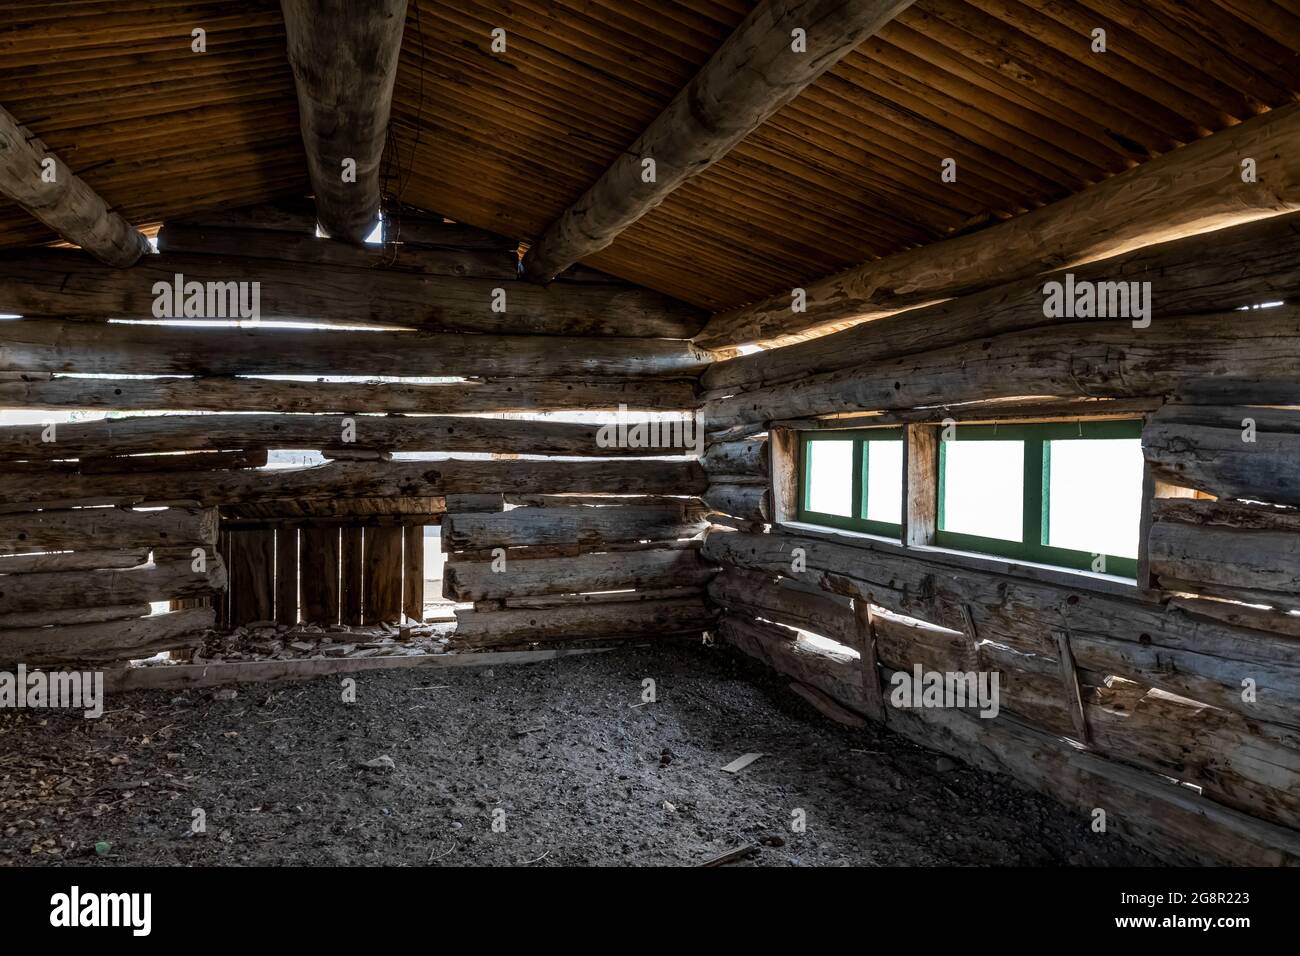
column 42, row 184
column 762, row 66
column 344, row 58
column 1249, row 171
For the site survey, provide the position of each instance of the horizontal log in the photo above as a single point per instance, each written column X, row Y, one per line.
column 1164, row 198
column 55, row 282
column 570, row 550
column 613, row 571
column 540, row 601
column 360, row 480
column 134, row 464
column 1198, row 657
column 1248, row 554
column 102, row 529
column 766, row 596
column 294, row 215
column 75, row 615
column 582, row 622
column 1214, row 272
column 366, row 434
column 72, row 561
column 1229, row 451
column 747, row 502
column 179, row 676
column 22, row 593
column 737, row 461
column 1100, row 359
column 33, row 390
column 106, row 641
column 590, row 527
column 43, row 345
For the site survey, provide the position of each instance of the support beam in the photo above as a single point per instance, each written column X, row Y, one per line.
column 39, row 181
column 344, row 59
column 751, row 76
column 1196, row 188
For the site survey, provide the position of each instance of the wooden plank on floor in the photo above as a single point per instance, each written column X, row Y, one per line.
column 318, row 576
column 286, row 575
column 352, row 573
column 209, row 675
column 413, row 572
column 383, row 575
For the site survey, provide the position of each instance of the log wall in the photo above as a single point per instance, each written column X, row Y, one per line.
column 1173, row 703
column 426, row 349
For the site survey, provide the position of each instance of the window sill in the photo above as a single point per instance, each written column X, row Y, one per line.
column 972, row 561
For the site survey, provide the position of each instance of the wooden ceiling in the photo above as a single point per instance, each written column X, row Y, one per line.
column 847, row 172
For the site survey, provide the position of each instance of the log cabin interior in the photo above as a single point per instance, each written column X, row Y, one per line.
column 920, row 377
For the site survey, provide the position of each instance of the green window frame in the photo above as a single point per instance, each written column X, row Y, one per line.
column 1037, row 483
column 861, row 465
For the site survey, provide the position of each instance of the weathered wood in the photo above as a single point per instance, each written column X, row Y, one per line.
column 920, row 484
column 40, row 182
column 747, row 502
column 72, row 561
column 737, row 462
column 352, row 570
column 1070, row 685
column 753, row 74
column 212, row 675
column 141, row 435
column 35, row 390
column 318, row 576
column 344, row 61
column 615, row 571
column 458, row 504
column 382, row 576
column 591, row 527
column 57, row 282
column 1104, row 358
column 873, row 700
column 75, row 615
column 1215, row 272
column 286, row 575
column 763, row 595
column 44, row 345
column 1229, row 451
column 1246, row 553
column 102, row 529
column 251, row 566
column 827, row 705
column 73, row 589
column 413, row 573
column 361, row 480
column 106, row 641
column 783, row 466
column 580, row 622
column 1196, row 188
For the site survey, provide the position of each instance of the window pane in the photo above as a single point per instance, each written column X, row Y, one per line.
column 983, row 488
column 830, row 477
column 1095, row 495
column 884, row 481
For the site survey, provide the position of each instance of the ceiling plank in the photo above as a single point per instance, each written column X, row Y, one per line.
column 763, row 65
column 344, row 59
column 1194, row 188
column 42, row 184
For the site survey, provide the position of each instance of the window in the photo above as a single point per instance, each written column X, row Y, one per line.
column 853, row 480
column 1066, row 494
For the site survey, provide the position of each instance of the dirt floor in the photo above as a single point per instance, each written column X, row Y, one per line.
column 582, row 770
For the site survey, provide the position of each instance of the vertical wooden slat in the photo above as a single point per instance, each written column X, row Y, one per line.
column 286, row 575
column 383, row 576
column 920, row 484
column 352, row 574
column 318, row 560
column 222, row 597
column 872, row 695
column 783, row 447
column 413, row 572
column 251, row 576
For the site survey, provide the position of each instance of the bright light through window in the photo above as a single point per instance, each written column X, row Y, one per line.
column 884, row 481
column 984, row 483
column 830, row 476
column 1095, row 495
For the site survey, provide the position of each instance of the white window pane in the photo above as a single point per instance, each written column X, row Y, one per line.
column 1095, row 497
column 983, row 488
column 885, row 481
column 830, row 477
